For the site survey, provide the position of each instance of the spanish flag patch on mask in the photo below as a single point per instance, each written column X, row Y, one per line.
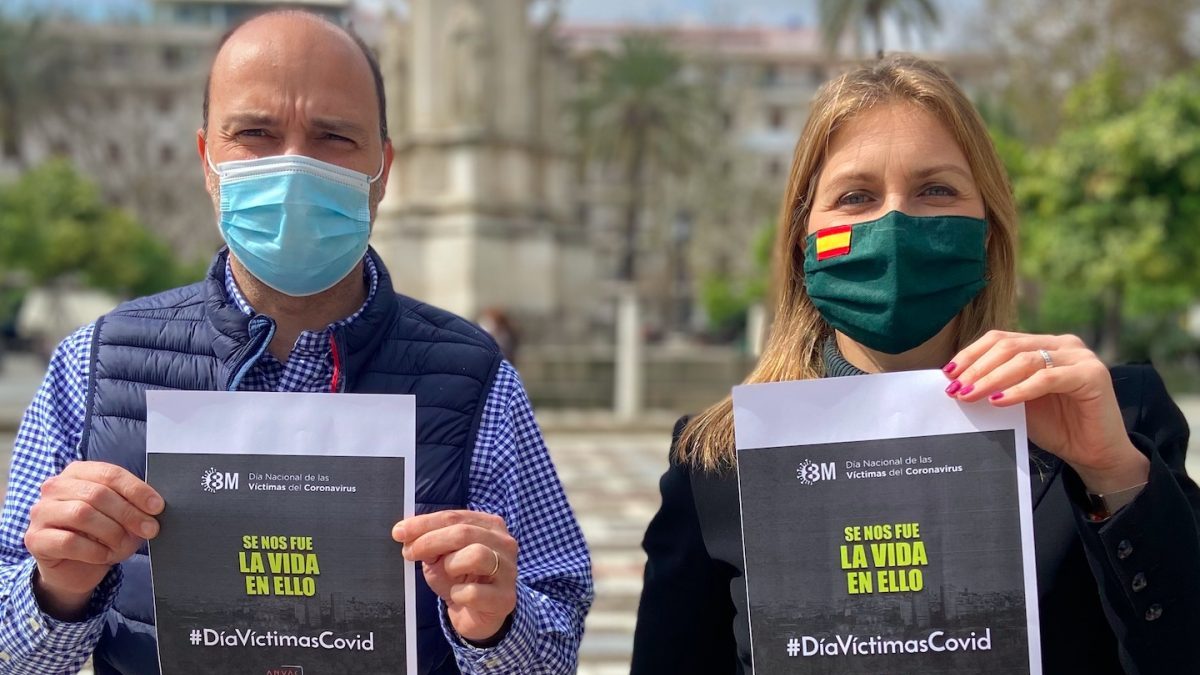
column 833, row 241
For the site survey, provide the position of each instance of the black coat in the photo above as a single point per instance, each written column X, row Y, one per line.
column 692, row 616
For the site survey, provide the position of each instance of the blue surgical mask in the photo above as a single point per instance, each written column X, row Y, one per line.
column 298, row 224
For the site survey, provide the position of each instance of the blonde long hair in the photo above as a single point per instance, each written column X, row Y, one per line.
column 793, row 350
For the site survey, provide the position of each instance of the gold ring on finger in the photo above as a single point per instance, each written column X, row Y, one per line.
column 496, row 567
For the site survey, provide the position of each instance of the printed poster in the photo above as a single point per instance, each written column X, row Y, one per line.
column 887, row 528
column 274, row 554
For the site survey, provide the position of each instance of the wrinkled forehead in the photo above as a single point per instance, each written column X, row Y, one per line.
column 901, row 132
column 293, row 59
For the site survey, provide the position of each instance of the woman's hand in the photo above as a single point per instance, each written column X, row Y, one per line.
column 1069, row 401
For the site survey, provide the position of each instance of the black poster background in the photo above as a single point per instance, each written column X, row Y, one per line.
column 198, row 583
column 969, row 523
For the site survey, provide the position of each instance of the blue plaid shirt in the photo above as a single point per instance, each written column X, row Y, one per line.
column 511, row 476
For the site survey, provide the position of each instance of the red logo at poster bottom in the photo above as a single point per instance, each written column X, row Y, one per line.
column 286, row 670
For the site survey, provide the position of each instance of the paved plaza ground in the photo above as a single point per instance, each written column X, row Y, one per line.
column 611, row 476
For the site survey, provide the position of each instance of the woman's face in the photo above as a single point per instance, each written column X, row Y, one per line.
column 895, row 157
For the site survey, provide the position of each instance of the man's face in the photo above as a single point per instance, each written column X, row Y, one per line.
column 291, row 85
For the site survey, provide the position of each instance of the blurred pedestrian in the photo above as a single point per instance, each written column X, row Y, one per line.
column 496, row 322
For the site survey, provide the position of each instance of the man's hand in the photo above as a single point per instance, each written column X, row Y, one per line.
column 90, row 517
column 470, row 561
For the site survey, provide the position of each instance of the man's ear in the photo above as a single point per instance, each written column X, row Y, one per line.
column 202, row 150
column 201, row 145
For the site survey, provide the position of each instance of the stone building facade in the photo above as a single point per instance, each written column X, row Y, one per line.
column 479, row 207
column 129, row 123
column 489, row 205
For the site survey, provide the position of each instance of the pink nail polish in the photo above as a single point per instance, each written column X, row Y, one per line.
column 996, row 396
column 949, row 368
column 953, row 387
column 966, row 390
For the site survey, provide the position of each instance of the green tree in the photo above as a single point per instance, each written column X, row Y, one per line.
column 54, row 228
column 727, row 301
column 1111, row 210
column 858, row 17
column 1049, row 48
column 643, row 115
column 35, row 68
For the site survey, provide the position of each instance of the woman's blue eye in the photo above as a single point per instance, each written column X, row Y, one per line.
column 853, row 199
column 939, row 191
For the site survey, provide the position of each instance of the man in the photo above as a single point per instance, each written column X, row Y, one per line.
column 296, row 156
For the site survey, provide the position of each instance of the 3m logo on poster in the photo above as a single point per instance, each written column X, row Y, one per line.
column 214, row 481
column 810, row 472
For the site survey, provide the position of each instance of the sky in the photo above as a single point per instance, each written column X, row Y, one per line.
column 724, row 12
column 743, row 12
column 640, row 11
column 957, row 15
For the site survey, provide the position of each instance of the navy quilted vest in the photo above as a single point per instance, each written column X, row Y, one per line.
column 195, row 338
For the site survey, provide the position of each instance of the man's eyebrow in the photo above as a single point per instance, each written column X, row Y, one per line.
column 248, row 119
column 338, row 126
column 258, row 119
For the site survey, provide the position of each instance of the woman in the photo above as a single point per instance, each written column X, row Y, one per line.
column 897, row 150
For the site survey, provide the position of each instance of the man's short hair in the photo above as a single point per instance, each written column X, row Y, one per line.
column 376, row 73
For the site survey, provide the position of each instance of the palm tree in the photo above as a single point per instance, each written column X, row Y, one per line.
column 34, row 75
column 839, row 17
column 644, row 116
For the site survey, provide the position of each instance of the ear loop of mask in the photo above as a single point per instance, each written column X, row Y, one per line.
column 208, row 160
column 379, row 173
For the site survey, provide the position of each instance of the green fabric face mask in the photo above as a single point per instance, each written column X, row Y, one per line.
column 891, row 284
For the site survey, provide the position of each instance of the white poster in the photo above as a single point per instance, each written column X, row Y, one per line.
column 887, row 528
column 275, row 552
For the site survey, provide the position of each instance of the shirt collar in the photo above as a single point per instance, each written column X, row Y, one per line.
column 370, row 275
